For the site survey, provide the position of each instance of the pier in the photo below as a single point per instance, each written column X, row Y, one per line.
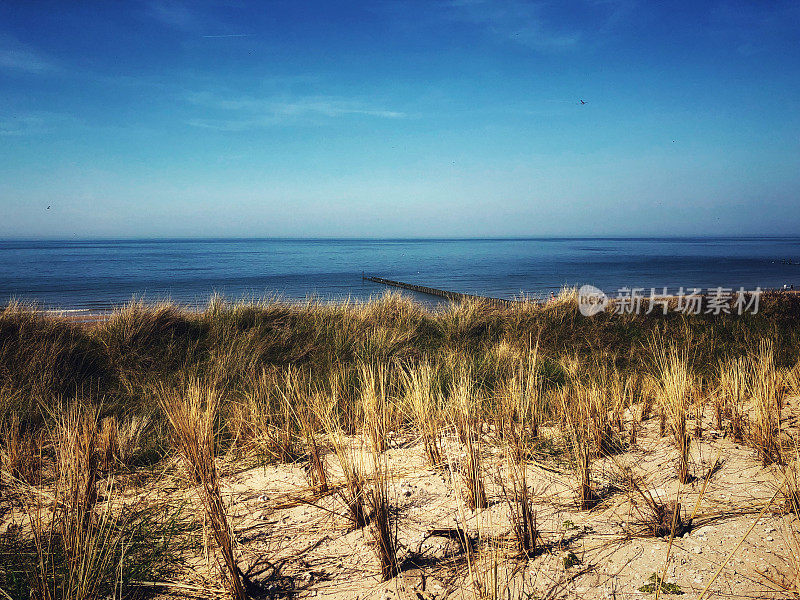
column 454, row 296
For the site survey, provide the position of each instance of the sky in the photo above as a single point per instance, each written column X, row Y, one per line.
column 395, row 118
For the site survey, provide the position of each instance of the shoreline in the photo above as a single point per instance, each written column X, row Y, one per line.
column 106, row 310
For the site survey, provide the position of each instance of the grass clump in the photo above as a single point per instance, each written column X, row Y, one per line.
column 570, row 560
column 659, row 585
column 466, row 423
column 518, row 498
column 80, row 538
column 675, row 387
column 423, row 402
column 767, row 394
column 654, row 516
column 377, row 414
column 576, row 405
column 192, row 414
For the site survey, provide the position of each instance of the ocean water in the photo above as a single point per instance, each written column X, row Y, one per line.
column 96, row 275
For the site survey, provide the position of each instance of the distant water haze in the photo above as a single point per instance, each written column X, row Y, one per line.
column 95, row 275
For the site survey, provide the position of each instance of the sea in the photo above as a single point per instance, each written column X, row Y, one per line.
column 98, row 275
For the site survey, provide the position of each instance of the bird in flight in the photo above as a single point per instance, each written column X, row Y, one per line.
column 582, row 102
column 48, row 207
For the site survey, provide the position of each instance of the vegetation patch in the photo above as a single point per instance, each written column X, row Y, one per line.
column 666, row 588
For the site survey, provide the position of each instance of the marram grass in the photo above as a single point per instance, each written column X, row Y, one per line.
column 327, row 386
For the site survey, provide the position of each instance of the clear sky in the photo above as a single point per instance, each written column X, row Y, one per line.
column 399, row 118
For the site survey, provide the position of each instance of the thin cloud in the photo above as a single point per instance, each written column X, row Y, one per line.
column 176, row 15
column 236, row 114
column 33, row 123
column 189, row 18
column 332, row 108
column 233, row 124
column 15, row 56
column 540, row 25
column 515, row 20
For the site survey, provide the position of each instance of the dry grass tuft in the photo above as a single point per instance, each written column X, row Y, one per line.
column 733, row 382
column 375, row 404
column 130, row 437
column 382, row 523
column 520, row 406
column 675, row 387
column 77, row 541
column 787, row 577
column 465, row 418
column 655, row 516
column 20, row 451
column 192, row 413
column 376, row 410
column 315, row 459
column 517, row 496
column 352, row 492
column 767, row 392
column 423, row 403
column 108, row 443
column 576, row 402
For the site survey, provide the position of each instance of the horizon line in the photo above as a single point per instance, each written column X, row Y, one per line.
column 395, row 238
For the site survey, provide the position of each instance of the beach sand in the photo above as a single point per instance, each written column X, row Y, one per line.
column 277, row 518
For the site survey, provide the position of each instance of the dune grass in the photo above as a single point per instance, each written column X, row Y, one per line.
column 328, row 385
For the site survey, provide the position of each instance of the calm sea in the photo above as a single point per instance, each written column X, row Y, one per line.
column 95, row 275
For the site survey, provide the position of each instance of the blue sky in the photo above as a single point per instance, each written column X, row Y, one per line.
column 399, row 118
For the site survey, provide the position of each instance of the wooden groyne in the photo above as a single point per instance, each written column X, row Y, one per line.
column 455, row 296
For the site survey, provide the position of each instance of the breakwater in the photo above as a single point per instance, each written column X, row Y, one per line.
column 454, row 296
